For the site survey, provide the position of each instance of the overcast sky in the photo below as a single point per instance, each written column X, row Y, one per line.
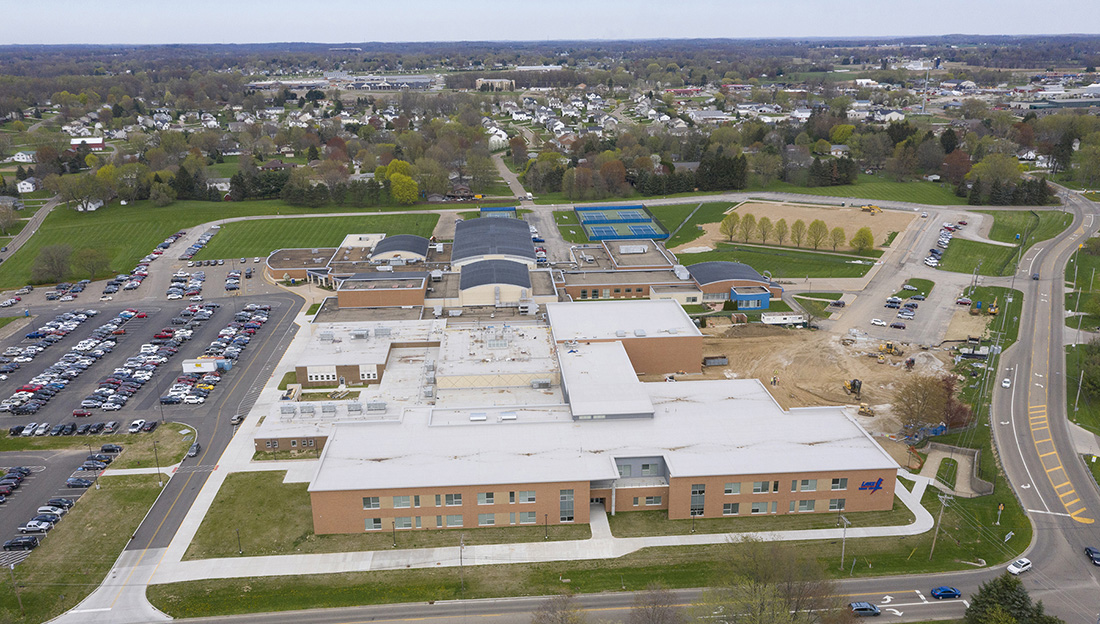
column 333, row 21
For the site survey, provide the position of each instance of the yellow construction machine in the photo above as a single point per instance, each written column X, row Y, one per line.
column 866, row 410
column 890, row 348
column 874, row 210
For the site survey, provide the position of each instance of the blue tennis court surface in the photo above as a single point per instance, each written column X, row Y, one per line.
column 602, row 230
column 619, row 223
column 643, row 230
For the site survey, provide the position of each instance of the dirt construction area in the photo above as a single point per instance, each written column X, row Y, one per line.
column 851, row 218
column 812, row 366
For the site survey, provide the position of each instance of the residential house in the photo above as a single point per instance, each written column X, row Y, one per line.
column 887, row 116
column 23, row 157
column 838, row 151
column 801, row 114
column 29, row 185
column 7, row 201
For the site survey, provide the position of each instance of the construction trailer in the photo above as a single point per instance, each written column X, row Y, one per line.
column 782, row 318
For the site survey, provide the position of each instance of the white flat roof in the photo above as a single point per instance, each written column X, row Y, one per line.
column 601, row 382
column 497, row 349
column 604, row 320
column 700, row 428
column 333, row 344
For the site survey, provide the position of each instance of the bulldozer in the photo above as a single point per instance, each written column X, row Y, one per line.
column 890, row 348
column 854, row 387
column 866, row 410
column 874, row 210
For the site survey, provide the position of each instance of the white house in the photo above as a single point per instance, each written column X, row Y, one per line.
column 23, row 157
column 29, row 185
column 889, row 115
column 838, row 151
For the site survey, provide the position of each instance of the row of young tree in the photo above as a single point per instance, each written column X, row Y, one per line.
column 56, row 263
column 748, row 227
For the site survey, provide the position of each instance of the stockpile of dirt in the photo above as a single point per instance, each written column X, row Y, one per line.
column 851, row 218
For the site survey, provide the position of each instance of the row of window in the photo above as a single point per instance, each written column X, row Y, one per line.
column 451, row 500
column 306, row 442
column 367, row 375
column 453, row 521
column 320, row 377
column 650, row 501
column 733, row 509
column 606, row 292
column 648, row 470
column 699, row 494
column 804, row 485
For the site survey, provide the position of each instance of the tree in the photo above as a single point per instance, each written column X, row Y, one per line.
column 816, row 233
column 1000, row 168
column 1003, row 596
column 747, row 227
column 7, row 217
column 767, row 167
column 781, row 230
column 312, row 154
column 798, row 232
column 920, row 401
column 973, row 108
column 1088, row 165
column 184, row 184
column 729, row 225
column 51, row 264
column 91, row 261
column 768, row 583
column 949, row 140
column 656, row 605
column 822, row 146
column 956, row 165
column 864, row 240
column 837, row 237
column 560, row 609
column 482, row 173
column 161, row 194
column 764, row 228
column 519, row 151
column 403, row 189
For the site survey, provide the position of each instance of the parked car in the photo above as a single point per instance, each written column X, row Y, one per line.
column 77, row 482
column 23, row 542
column 878, row 322
column 35, row 526
column 1093, row 554
column 194, row 450
column 110, row 448
column 136, row 426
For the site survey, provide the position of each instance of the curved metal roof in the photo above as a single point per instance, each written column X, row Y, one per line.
column 494, row 272
column 710, row 272
column 403, row 243
column 488, row 236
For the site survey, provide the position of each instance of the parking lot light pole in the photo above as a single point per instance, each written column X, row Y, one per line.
column 156, row 458
column 240, row 551
column 843, row 538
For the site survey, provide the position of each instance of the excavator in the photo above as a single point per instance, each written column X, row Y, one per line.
column 854, row 387
column 890, row 349
column 994, row 309
column 874, row 210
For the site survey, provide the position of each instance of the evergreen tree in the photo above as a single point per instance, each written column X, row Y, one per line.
column 961, row 190
column 238, row 189
column 374, row 191
column 994, row 196
column 949, row 141
column 975, row 198
column 312, row 154
column 20, row 173
column 184, row 184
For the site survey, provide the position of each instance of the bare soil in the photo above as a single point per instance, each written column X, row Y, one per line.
column 964, row 324
column 811, row 367
column 851, row 218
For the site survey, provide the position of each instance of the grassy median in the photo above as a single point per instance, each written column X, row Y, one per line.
column 173, row 440
column 76, row 556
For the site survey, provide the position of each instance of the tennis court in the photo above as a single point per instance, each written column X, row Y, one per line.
column 619, row 223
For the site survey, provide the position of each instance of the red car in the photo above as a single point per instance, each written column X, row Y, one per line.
column 81, row 413
column 140, row 315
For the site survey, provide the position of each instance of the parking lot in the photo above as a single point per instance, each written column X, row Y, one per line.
column 49, row 471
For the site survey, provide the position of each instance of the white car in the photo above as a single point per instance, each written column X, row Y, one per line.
column 196, row 298
column 136, row 426
column 1006, row 383
column 1019, row 566
column 192, row 399
column 174, row 296
column 878, row 322
column 106, row 298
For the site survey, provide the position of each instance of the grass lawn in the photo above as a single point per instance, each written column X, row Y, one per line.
column 649, row 523
column 570, row 227
column 291, row 377
column 1088, row 407
column 963, row 256
column 260, row 238
column 223, row 169
column 814, row 307
column 127, row 233
column 878, row 187
column 774, row 306
column 137, row 449
column 287, row 528
column 1037, row 225
column 783, row 263
column 964, row 537
column 923, row 287
column 4, row 320
column 313, row 309
column 949, row 469
column 1092, row 462
column 711, row 212
column 566, row 217
column 1080, row 272
column 77, row 555
column 831, row 296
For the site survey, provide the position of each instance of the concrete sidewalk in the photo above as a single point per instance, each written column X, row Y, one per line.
column 600, row 546
column 165, row 470
column 121, row 596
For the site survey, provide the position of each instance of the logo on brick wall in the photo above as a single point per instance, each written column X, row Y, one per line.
column 871, row 486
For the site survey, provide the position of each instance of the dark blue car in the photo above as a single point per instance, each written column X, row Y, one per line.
column 940, row 593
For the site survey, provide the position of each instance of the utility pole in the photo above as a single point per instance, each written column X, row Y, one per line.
column 461, row 568
column 843, row 538
column 156, row 457
column 944, row 500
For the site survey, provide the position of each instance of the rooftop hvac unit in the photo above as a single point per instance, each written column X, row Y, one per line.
column 398, row 262
column 540, row 384
column 429, row 366
column 681, row 272
column 507, row 416
column 620, row 333
column 313, row 251
column 430, row 377
column 360, row 334
column 633, row 249
column 288, row 409
column 327, row 336
column 385, row 268
column 382, row 331
column 439, row 247
column 478, row 417
column 307, row 409
column 376, row 406
column 355, row 408
column 328, row 409
column 437, row 275
column 639, row 333
column 429, row 392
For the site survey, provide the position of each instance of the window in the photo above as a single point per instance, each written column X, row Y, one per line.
column 760, row 487
column 293, row 444
column 454, row 520
column 367, row 375
column 512, row 518
column 635, row 501
column 731, row 509
column 311, row 442
column 371, row 502
column 733, row 488
column 485, row 498
column 416, row 501
column 624, row 470
column 836, row 504
column 374, row 524
column 512, row 498
column 402, row 523
column 486, row 519
column 617, row 291
column 400, row 502
column 584, row 293
column 274, row 444
column 722, row 296
column 759, row 508
column 775, row 486
column 528, row 517
column 418, row 522
column 438, row 500
column 651, row 470
column 527, row 496
column 439, row 522
column 840, row 484
column 454, row 500
column 698, row 498
column 565, row 506
column 806, row 505
column 808, row 485
column 606, row 293
column 651, row 501
column 269, row 444
column 692, row 299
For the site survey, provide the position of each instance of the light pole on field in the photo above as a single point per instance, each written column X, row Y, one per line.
column 156, row 458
